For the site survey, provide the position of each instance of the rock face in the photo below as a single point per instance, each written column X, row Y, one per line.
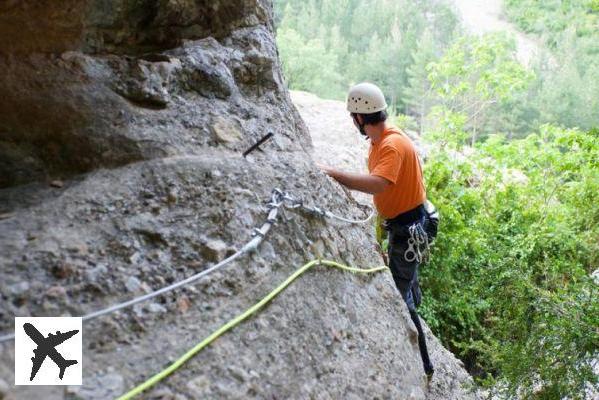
column 121, row 130
column 335, row 139
column 107, row 83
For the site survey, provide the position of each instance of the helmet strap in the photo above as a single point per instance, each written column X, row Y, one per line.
column 360, row 126
column 363, row 132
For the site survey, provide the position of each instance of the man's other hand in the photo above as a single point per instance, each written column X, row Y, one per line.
column 330, row 171
column 364, row 183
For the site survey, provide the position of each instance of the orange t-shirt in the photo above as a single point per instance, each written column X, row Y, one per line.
column 394, row 158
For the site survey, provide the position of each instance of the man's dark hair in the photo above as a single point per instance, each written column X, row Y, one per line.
column 373, row 118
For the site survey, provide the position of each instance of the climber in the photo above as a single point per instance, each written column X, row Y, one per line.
column 395, row 180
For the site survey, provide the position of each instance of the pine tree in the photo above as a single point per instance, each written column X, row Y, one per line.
column 417, row 95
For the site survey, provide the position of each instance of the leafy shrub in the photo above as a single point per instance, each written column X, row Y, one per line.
column 509, row 288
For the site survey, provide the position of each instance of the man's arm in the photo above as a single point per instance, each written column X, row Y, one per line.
column 364, row 183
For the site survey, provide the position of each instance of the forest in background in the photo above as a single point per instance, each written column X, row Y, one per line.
column 326, row 45
column 567, row 90
column 512, row 166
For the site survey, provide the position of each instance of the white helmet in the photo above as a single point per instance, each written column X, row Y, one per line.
column 365, row 98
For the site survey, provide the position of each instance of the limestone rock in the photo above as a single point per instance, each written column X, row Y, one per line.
column 214, row 250
column 98, row 387
column 225, row 130
column 156, row 308
column 141, row 109
column 198, row 386
column 133, row 284
column 19, row 289
column 3, row 389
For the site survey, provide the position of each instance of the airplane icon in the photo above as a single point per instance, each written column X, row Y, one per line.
column 46, row 347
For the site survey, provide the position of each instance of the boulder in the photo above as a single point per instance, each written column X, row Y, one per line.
column 141, row 109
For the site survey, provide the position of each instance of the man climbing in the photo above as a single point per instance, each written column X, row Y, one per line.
column 396, row 182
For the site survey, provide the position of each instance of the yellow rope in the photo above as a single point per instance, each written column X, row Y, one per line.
column 235, row 321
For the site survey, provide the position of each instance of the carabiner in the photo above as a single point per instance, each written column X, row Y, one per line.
column 406, row 255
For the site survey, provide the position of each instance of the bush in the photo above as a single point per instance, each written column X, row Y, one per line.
column 509, row 288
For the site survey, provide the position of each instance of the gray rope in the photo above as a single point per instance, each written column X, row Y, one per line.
column 351, row 221
column 151, row 295
column 294, row 203
column 160, row 291
column 259, row 235
column 278, row 198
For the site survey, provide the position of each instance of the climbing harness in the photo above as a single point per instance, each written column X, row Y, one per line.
column 236, row 321
column 278, row 199
column 431, row 224
column 418, row 247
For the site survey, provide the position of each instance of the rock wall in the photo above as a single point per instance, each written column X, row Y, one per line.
column 107, row 83
column 121, row 130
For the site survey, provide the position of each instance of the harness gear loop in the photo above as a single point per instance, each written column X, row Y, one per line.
column 418, row 246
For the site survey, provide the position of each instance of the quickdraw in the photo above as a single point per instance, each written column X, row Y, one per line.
column 418, row 247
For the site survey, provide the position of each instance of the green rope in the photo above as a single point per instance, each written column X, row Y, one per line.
column 236, row 321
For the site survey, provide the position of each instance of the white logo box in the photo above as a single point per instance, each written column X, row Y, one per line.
column 70, row 350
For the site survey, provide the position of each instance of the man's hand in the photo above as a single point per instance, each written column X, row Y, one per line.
column 364, row 183
column 330, row 171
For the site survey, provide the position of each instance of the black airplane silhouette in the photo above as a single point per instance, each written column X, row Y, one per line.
column 46, row 347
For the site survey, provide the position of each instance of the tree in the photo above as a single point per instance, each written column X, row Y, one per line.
column 307, row 65
column 476, row 76
column 417, row 95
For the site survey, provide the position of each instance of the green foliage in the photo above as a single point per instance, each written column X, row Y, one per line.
column 308, row 65
column 405, row 122
column 418, row 94
column 348, row 41
column 508, row 288
column 567, row 89
column 413, row 51
column 381, row 234
column 473, row 80
column 510, row 272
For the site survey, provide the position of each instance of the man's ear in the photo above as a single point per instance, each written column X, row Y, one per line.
column 360, row 119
